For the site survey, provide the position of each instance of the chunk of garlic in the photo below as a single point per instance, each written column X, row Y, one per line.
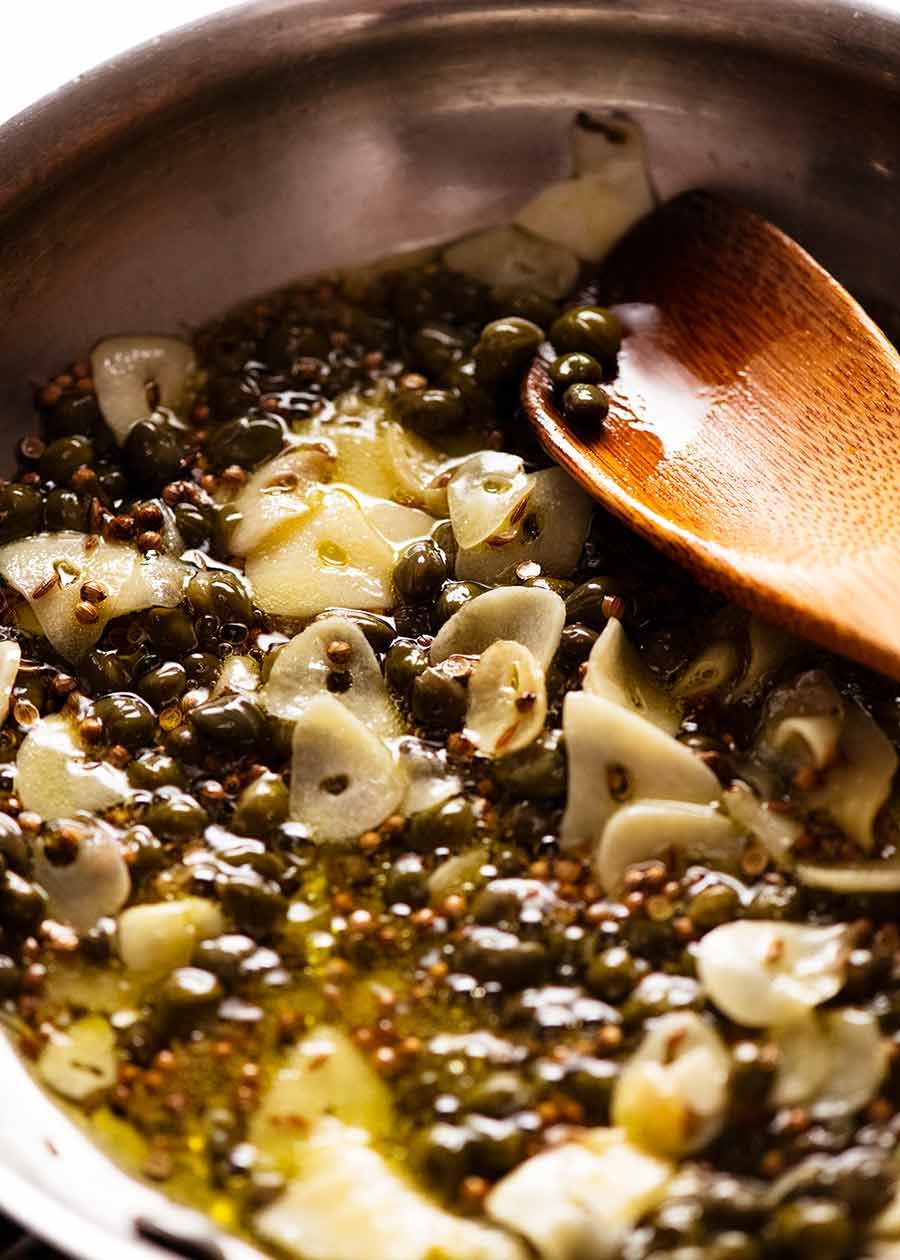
column 159, row 936
column 279, row 492
column 418, row 470
column 761, row 972
column 653, row 829
column 10, row 660
column 833, row 1062
column 484, row 495
column 93, row 883
column 528, row 615
column 616, row 672
column 854, row 790
column 343, row 779
column 513, row 257
column 124, row 367
column 80, row 1061
column 507, row 701
column 57, row 777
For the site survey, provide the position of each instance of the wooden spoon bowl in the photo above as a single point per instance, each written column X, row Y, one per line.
column 754, row 424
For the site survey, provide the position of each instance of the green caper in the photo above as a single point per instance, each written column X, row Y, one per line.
column 452, row 597
column 429, row 411
column 614, row 972
column 659, row 993
column 127, row 719
column 224, row 521
column 714, row 904
column 60, row 459
column 591, row 602
column 174, row 814
column 679, row 1223
column 420, row 571
column 776, row 901
column 153, row 453
column 201, row 668
column 21, row 511
column 505, row 349
column 526, row 303
column 500, row 1094
column 194, row 522
column 74, row 413
column 490, row 953
column 404, row 663
column 407, row 881
column 189, row 988
column 451, row 824
column 64, row 509
column 256, row 904
column 154, row 770
column 537, row 772
column 231, row 721
column 286, row 341
column 812, row 1227
column 497, row 1145
column 223, row 955
column 443, row 1155
column 378, row 630
column 162, row 685
column 461, row 378
column 171, row 630
column 262, row 805
column 22, row 904
column 575, row 644
column 752, row 1073
column 437, row 346
column 575, row 369
column 10, row 977
column 586, row 405
column 437, row 700
column 14, row 852
column 591, row 1082
column 442, row 536
column 589, row 330
column 735, row 1244
column 104, row 670
column 245, row 441
column 219, row 593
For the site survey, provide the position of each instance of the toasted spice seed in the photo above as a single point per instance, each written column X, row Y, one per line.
column 94, row 592
column 25, row 713
column 612, row 606
column 31, row 447
column 45, row 587
column 84, row 478
column 150, row 540
column 91, row 729
column 339, row 653
column 86, row 613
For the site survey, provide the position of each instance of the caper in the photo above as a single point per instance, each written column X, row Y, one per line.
column 219, row 593
column 575, row 644
column 429, row 411
column 449, row 824
column 262, row 805
column 223, row 955
column 154, row 770
column 245, row 441
column 776, row 901
column 575, row 369
column 586, row 406
column 812, row 1227
column 734, row 1244
column 170, row 630
column 501, row 1094
column 97, row 944
column 256, row 904
column 60, row 459
column 497, row 1145
column 14, row 852
column 679, row 1223
column 201, row 668
column 127, row 719
column 505, row 349
column 224, row 521
column 378, row 630
column 714, row 904
column 591, row 1082
column 286, row 342
column 589, row 330
column 404, row 663
column 174, row 814
column 614, row 972
column 64, row 509
column 74, row 413
column 407, row 881
column 193, row 522
column 153, row 453
column 752, row 1073
column 22, row 904
column 526, row 303
column 436, row 346
column 112, row 485
column 10, row 977
column 528, row 824
column 162, row 685
column 104, row 670
column 462, row 379
column 231, row 394
column 437, row 700
column 229, row 720
column 452, row 597
column 658, row 994
column 443, row 1154
column 21, row 511
column 442, row 536
column 591, row 602
column 537, row 772
column 490, row 953
column 420, row 571
column 189, row 987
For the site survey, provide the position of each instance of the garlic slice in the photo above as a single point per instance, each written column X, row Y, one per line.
column 57, row 778
column 419, row 470
column 672, row 1093
column 429, row 781
column 709, row 672
column 550, row 532
column 834, row 1062
column 345, row 1192
column 331, row 557
column 10, row 660
column 878, row 875
column 769, row 648
column 483, row 493
column 239, row 674
column 49, row 571
column 279, row 492
column 123, row 367
column 813, row 740
column 615, row 672
column 507, row 700
column 343, row 779
column 777, row 832
column 398, row 524
column 162, row 935
column 616, row 757
column 304, row 670
column 511, row 257
column 579, row 1199
column 528, row 615
column 855, row 790
column 609, row 193
column 761, row 972
column 80, row 1061
column 651, row 829
column 94, row 883
column 324, row 1075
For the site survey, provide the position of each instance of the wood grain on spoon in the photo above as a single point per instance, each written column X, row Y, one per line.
column 754, row 427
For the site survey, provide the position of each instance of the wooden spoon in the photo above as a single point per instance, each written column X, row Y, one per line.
column 754, row 425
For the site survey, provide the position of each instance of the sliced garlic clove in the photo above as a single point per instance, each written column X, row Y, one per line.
column 616, row 758
column 855, row 790
column 709, row 672
column 332, row 557
column 457, row 874
column 10, row 660
column 777, row 832
column 278, row 492
column 344, row 1191
column 878, row 875
column 507, row 701
column 419, row 471
column 578, row 1199
column 833, row 1062
column 808, row 741
column 511, row 257
column 343, row 779
column 325, row 1074
column 80, row 1061
column 239, row 674
column 331, row 657
column 550, row 532
column 769, row 648
column 94, row 883
column 484, row 494
column 761, row 973
column 672, row 1093
column 429, row 781
column 652, row 829
column 123, row 368
column 616, row 673
column 57, row 778
column 49, row 571
column 398, row 524
column 803, row 1061
column 162, row 935
column 528, row 615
